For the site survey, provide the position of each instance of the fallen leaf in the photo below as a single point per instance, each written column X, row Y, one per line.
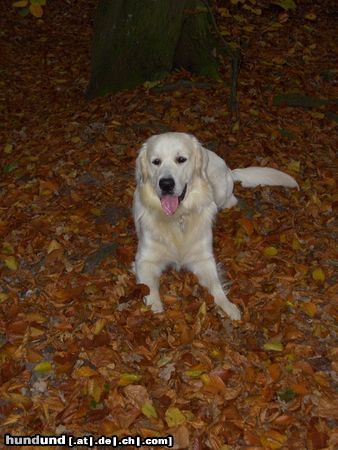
column 294, row 166
column 149, row 411
column 128, row 378
column 11, row 263
column 174, row 417
column 296, row 245
column 328, row 407
column 273, row 439
column 275, row 371
column 310, row 309
column 53, row 245
column 181, row 437
column 36, row 10
column 318, row 274
column 3, row 296
column 285, row 4
column 43, row 367
column 95, row 389
column 300, row 388
column 20, row 4
column 317, row 115
column 287, row 395
column 84, row 371
column 247, row 225
column 99, row 326
column 270, row 251
column 310, row 16
column 236, row 126
column 7, row 248
column 274, row 346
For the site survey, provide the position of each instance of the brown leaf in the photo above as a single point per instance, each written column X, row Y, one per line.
column 136, row 394
column 317, row 440
column 327, row 407
column 180, row 436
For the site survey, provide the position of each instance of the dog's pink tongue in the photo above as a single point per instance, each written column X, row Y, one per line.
column 169, row 204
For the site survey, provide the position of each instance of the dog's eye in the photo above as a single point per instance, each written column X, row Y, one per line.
column 156, row 162
column 181, row 159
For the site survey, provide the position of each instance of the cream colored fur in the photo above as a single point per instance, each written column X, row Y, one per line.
column 184, row 239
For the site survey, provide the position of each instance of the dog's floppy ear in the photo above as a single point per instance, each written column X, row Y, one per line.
column 141, row 165
column 202, row 158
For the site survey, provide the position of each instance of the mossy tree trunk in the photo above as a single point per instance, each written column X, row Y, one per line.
column 194, row 50
column 137, row 41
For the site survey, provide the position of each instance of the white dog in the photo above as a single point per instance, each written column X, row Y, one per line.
column 180, row 187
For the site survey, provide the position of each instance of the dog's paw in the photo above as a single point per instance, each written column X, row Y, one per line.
column 230, row 309
column 154, row 302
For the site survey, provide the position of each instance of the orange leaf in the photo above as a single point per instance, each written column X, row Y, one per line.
column 304, row 366
column 310, row 309
column 274, row 371
column 36, row 10
column 214, row 384
column 108, row 427
column 33, row 357
column 250, row 374
column 300, row 388
column 85, row 371
column 321, row 379
column 247, row 225
column 284, row 420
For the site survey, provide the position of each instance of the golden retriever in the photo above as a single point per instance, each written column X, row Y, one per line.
column 180, row 187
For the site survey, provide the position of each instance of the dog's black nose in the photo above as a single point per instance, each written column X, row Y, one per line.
column 167, row 184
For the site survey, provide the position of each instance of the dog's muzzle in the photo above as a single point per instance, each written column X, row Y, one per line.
column 181, row 197
column 170, row 202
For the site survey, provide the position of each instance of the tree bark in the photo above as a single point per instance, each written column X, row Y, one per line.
column 137, row 41
column 195, row 45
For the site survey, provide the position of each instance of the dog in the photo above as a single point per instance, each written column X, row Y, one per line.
column 180, row 186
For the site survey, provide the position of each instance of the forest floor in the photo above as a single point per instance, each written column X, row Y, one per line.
column 79, row 352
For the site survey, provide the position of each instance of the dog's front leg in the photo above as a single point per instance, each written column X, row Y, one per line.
column 206, row 271
column 149, row 273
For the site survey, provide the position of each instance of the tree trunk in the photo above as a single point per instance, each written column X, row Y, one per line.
column 195, row 44
column 137, row 41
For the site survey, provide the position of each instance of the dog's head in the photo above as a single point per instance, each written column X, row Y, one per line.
column 170, row 163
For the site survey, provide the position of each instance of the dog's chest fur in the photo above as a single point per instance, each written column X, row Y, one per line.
column 175, row 236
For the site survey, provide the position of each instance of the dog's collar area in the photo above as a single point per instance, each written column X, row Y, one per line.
column 181, row 197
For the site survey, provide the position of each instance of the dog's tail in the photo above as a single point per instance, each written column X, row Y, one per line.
column 254, row 176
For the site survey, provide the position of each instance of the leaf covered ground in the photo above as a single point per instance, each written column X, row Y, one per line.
column 79, row 352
